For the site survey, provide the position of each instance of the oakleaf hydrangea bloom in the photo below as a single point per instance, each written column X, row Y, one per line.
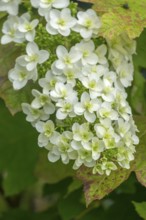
column 95, row 99
column 66, row 59
column 81, row 133
column 63, row 91
column 46, row 130
column 11, row 32
column 108, row 167
column 19, row 76
column 94, row 85
column 125, row 72
column 42, row 100
column 88, row 23
column 101, row 52
column 87, row 107
column 60, row 22
column 63, row 152
column 87, row 51
column 25, row 68
column 66, row 109
column 34, row 56
column 79, row 102
column 120, row 54
column 96, row 146
column 34, row 115
column 48, row 83
column 27, row 26
column 10, row 6
column 19, row 29
column 71, row 74
column 106, row 110
column 45, row 6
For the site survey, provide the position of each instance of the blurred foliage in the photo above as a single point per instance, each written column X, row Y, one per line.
column 139, row 84
column 18, row 152
column 141, row 209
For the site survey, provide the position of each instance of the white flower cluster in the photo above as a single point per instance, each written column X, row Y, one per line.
column 80, row 112
column 26, row 66
column 10, row 6
column 120, row 54
column 18, row 29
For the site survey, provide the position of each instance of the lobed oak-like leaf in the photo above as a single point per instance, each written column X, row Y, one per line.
column 98, row 186
column 121, row 16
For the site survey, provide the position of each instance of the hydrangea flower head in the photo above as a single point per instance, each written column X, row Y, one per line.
column 79, row 102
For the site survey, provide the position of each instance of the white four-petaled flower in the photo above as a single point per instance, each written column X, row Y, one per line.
column 88, row 23
column 87, row 107
column 19, row 76
column 66, row 59
column 44, row 6
column 27, row 26
column 34, row 56
column 11, row 32
column 10, row 6
column 60, row 22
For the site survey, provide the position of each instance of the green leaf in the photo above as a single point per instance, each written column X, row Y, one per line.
column 98, row 186
column 75, row 184
column 59, row 188
column 18, row 152
column 23, row 215
column 129, row 186
column 3, row 14
column 21, row 160
column 12, row 98
column 138, row 94
column 3, row 204
column 140, row 159
column 121, row 16
column 51, row 173
column 71, row 206
column 118, row 19
column 141, row 209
